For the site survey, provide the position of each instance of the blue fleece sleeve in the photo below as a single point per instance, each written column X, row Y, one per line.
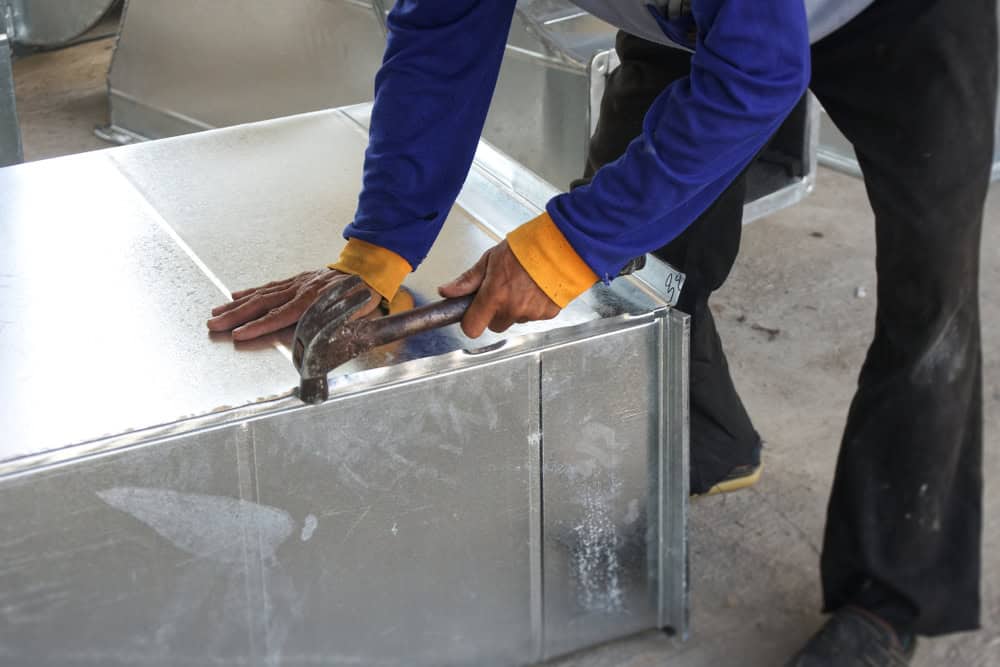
column 749, row 69
column 431, row 96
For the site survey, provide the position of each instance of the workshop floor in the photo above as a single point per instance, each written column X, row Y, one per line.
column 806, row 273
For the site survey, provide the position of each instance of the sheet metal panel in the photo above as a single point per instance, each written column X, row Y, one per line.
column 103, row 315
column 421, row 498
column 164, row 500
column 188, row 65
column 134, row 558
column 599, row 457
column 223, row 199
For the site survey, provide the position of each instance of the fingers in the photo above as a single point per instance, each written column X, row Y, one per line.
column 249, row 310
column 268, row 300
column 236, row 303
column 275, row 320
column 506, row 295
column 239, row 294
column 468, row 282
column 291, row 308
column 479, row 315
column 501, row 323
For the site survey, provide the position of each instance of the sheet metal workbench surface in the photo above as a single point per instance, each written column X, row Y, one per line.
column 165, row 500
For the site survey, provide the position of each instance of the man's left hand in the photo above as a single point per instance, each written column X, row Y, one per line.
column 506, row 294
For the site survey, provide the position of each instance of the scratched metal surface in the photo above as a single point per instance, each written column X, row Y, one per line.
column 101, row 313
column 113, row 260
column 454, row 502
column 598, row 489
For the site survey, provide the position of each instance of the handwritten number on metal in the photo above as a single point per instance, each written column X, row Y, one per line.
column 672, row 287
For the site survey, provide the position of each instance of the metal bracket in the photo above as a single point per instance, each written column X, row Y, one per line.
column 117, row 135
column 600, row 68
column 8, row 19
column 10, row 132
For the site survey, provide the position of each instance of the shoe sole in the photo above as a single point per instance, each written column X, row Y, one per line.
column 734, row 484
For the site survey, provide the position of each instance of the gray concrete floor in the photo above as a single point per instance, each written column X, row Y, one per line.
column 754, row 555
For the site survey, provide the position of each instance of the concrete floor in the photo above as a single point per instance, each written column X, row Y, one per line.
column 754, row 555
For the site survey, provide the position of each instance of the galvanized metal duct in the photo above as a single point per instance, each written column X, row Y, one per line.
column 50, row 22
column 164, row 500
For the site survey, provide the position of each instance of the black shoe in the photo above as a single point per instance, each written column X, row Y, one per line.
column 854, row 637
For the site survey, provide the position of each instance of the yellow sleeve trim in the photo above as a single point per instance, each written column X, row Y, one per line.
column 550, row 260
column 380, row 267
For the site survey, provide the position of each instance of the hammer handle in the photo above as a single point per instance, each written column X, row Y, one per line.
column 432, row 316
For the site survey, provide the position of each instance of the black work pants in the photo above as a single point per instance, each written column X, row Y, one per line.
column 913, row 86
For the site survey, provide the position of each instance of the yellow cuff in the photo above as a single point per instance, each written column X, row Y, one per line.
column 550, row 260
column 381, row 268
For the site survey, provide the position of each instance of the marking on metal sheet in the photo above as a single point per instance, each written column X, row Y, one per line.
column 202, row 525
column 672, row 285
column 217, row 530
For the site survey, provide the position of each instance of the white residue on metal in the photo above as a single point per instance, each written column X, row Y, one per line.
column 633, row 511
column 534, row 438
column 594, row 559
column 241, row 536
column 308, row 527
column 206, row 526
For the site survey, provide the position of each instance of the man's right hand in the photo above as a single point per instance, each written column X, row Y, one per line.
column 262, row 310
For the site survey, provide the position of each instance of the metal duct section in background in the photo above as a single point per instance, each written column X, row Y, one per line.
column 50, row 22
column 38, row 24
column 189, row 65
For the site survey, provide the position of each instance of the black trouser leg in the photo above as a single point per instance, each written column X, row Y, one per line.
column 722, row 435
column 917, row 100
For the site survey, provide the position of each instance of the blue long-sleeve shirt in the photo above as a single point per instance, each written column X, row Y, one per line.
column 749, row 69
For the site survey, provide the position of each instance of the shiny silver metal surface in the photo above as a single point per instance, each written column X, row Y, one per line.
column 51, row 22
column 549, row 91
column 188, row 65
column 775, row 189
column 835, row 151
column 165, row 500
column 10, row 130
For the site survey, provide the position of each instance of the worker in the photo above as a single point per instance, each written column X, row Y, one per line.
column 702, row 87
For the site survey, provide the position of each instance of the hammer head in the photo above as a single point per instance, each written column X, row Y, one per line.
column 324, row 335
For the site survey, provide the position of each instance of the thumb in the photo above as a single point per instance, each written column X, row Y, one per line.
column 468, row 282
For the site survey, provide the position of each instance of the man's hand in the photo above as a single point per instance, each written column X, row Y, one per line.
column 261, row 310
column 506, row 294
